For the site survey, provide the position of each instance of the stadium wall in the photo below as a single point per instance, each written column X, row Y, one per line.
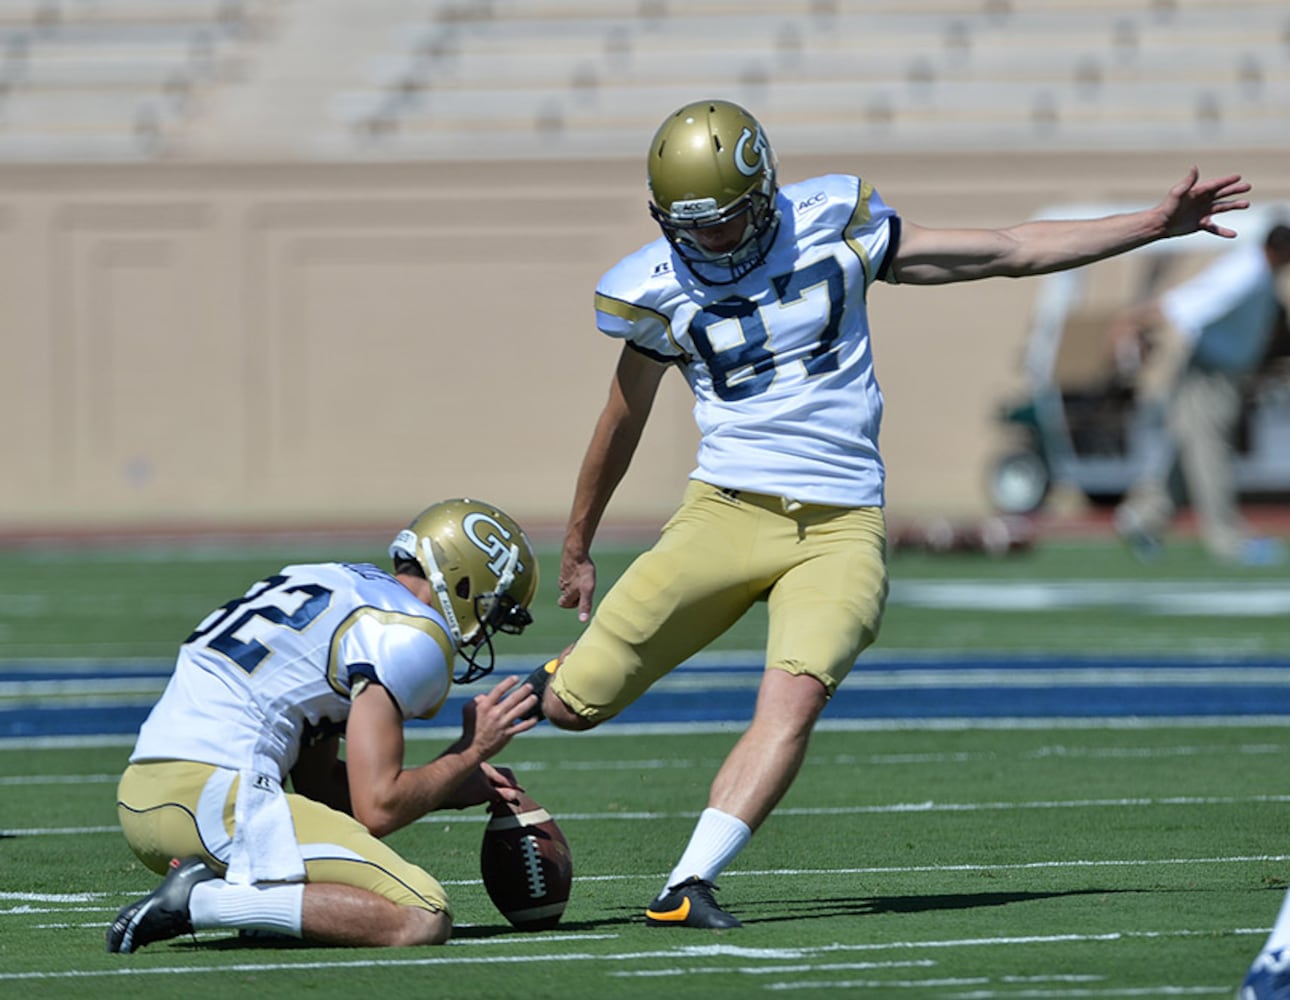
column 287, row 344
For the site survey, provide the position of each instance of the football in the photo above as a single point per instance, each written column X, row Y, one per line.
column 526, row 864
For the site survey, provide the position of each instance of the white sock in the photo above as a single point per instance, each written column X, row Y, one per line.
column 717, row 838
column 1280, row 936
column 217, row 903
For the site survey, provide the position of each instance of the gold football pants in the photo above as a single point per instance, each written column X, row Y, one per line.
column 175, row 809
column 822, row 571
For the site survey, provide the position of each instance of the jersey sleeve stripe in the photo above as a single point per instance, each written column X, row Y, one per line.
column 893, row 245
column 617, row 318
column 860, row 217
column 666, row 359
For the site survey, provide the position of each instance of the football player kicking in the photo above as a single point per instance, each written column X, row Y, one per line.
column 264, row 688
column 756, row 293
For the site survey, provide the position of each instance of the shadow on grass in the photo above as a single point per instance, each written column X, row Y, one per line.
column 772, row 912
column 813, row 909
column 781, row 910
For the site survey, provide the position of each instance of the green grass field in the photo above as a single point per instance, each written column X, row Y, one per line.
column 1046, row 861
column 139, row 602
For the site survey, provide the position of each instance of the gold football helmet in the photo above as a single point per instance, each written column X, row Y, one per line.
column 482, row 570
column 709, row 164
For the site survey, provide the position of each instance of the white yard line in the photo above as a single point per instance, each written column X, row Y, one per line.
column 26, row 900
column 927, row 806
column 678, row 953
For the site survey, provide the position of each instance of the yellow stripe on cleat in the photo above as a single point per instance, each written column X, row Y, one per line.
column 677, row 915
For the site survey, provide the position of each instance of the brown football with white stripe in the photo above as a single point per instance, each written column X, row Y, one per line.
column 526, row 864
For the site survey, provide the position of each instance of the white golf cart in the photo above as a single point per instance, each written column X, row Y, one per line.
column 1077, row 424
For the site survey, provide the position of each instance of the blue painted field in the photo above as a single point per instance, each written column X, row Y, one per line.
column 85, row 698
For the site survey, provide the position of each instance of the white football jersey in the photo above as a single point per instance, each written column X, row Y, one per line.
column 272, row 670
column 780, row 363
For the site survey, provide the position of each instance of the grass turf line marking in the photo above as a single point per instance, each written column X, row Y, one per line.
column 987, row 994
column 26, row 910
column 933, row 869
column 631, row 730
column 54, row 897
column 853, row 984
column 889, row 809
column 1139, row 991
column 59, row 779
column 870, row 760
column 690, row 951
column 775, row 970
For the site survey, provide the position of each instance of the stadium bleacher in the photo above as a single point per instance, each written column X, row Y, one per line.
column 109, row 79
column 458, row 79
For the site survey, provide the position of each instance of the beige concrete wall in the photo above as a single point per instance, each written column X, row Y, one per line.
column 272, row 344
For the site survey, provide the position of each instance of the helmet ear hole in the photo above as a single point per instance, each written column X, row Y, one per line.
column 463, row 588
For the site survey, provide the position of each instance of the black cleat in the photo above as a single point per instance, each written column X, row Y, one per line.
column 689, row 904
column 538, row 681
column 161, row 914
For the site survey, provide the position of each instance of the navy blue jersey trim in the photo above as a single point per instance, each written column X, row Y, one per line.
column 893, row 247
column 663, row 359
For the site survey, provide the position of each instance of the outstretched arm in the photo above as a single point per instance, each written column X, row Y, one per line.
column 938, row 256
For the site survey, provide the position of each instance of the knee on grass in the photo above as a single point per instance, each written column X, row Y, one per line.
column 422, row 927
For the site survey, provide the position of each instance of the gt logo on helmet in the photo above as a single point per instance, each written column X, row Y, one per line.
column 492, row 539
column 758, row 146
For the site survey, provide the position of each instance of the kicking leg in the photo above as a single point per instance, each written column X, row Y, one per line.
column 751, row 781
column 763, row 764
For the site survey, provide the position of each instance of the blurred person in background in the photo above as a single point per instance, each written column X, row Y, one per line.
column 264, row 689
column 757, row 294
column 1207, row 337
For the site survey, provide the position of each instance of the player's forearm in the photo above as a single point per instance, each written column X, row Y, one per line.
column 1054, row 245
column 607, row 460
column 938, row 256
column 613, row 443
column 416, row 791
column 473, row 790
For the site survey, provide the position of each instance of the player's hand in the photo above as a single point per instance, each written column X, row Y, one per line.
column 577, row 584
column 502, row 785
column 483, row 785
column 1191, row 204
column 490, row 720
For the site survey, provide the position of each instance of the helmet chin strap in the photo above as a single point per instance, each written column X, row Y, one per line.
column 507, row 576
column 440, row 587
